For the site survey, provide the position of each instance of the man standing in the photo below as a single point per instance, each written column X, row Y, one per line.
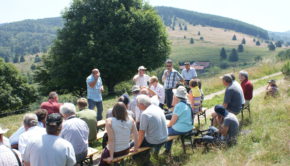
column 233, row 99
column 141, row 79
column 247, row 86
column 153, row 130
column 188, row 73
column 50, row 149
column 170, row 78
column 89, row 116
column 94, row 91
column 52, row 105
column 8, row 157
column 32, row 131
column 75, row 131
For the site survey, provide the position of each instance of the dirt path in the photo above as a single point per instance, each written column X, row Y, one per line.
column 210, row 96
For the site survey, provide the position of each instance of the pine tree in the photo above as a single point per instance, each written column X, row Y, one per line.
column 234, row 37
column 279, row 43
column 16, row 59
column 185, row 27
column 254, row 40
column 191, row 41
column 223, row 53
column 198, row 33
column 240, row 48
column 184, row 37
column 7, row 59
column 271, row 46
column 244, row 41
column 22, row 59
column 258, row 43
column 201, row 38
column 234, row 57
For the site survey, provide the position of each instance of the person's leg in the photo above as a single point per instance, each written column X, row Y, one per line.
column 92, row 104
column 168, row 144
column 99, row 110
column 168, row 96
column 104, row 155
column 143, row 158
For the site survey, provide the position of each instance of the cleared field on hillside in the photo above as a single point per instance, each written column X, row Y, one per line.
column 209, row 48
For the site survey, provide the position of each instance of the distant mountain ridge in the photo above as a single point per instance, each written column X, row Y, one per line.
column 33, row 36
column 169, row 13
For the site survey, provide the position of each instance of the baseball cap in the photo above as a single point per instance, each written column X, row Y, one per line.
column 142, row 68
column 54, row 119
column 219, row 109
column 135, row 88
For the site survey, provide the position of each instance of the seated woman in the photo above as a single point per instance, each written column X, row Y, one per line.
column 119, row 128
column 195, row 95
column 181, row 121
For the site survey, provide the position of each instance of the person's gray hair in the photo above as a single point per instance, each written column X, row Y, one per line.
column 30, row 120
column 168, row 61
column 143, row 99
column 244, row 73
column 68, row 109
column 228, row 78
column 52, row 95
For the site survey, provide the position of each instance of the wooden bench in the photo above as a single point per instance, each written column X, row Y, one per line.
column 101, row 124
column 89, row 159
column 101, row 134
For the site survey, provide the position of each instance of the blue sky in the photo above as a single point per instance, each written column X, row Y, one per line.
column 268, row 14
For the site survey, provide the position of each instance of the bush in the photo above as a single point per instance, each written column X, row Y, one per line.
column 224, row 65
column 286, row 70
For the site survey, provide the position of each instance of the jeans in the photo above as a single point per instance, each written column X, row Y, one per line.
column 171, row 132
column 168, row 97
column 99, row 105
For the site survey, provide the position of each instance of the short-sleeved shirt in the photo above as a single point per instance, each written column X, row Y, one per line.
column 49, row 150
column 188, row 74
column 159, row 90
column 153, row 122
column 235, row 83
column 232, row 122
column 94, row 93
column 234, row 99
column 141, row 80
column 184, row 121
column 134, row 108
column 52, row 106
column 89, row 116
column 7, row 158
column 29, row 136
column 247, row 87
column 76, row 131
column 172, row 79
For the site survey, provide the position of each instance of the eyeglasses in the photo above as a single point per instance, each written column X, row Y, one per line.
column 168, row 66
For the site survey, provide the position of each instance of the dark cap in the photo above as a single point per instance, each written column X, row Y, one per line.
column 219, row 109
column 54, row 119
column 272, row 81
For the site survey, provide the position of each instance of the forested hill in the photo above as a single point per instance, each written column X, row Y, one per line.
column 169, row 14
column 27, row 37
column 33, row 36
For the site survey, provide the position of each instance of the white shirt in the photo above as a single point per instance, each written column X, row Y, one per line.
column 134, row 108
column 7, row 158
column 76, row 131
column 50, row 150
column 141, row 80
column 29, row 136
column 188, row 74
column 159, row 90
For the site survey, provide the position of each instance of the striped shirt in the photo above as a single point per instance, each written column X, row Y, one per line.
column 94, row 93
column 171, row 80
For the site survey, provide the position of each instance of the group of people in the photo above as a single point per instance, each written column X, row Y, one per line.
column 56, row 134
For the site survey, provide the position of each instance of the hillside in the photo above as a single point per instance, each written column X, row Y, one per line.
column 169, row 14
column 33, row 36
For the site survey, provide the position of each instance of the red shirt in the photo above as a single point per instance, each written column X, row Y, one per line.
column 247, row 87
column 52, row 106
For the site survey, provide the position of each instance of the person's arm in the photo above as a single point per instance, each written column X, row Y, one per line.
column 227, row 98
column 141, row 135
column 135, row 136
column 92, row 82
column 165, row 73
column 26, row 163
column 224, row 130
column 225, row 105
column 248, row 90
column 151, row 92
column 135, row 78
column 111, row 140
column 180, row 78
column 173, row 120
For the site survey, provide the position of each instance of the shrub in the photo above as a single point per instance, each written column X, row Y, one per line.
column 286, row 70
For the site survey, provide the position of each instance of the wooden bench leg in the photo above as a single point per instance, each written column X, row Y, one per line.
column 204, row 114
column 242, row 114
column 182, row 138
column 198, row 120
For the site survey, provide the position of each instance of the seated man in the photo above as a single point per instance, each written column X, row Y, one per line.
column 32, row 131
column 50, row 149
column 75, row 131
column 52, row 105
column 227, row 124
column 233, row 99
column 89, row 116
column 153, row 129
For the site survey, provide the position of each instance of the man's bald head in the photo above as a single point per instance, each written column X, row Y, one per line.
column 144, row 91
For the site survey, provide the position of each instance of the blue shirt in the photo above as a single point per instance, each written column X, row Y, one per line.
column 188, row 74
column 184, row 121
column 95, row 93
